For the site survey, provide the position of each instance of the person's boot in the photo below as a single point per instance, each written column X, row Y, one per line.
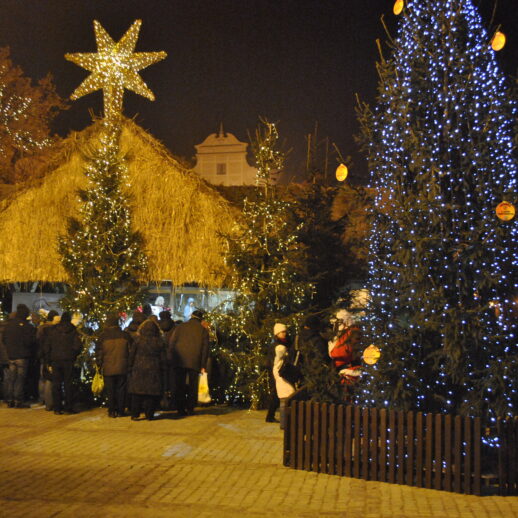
column 11, row 404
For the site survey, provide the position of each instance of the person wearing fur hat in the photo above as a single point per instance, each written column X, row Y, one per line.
column 60, row 350
column 283, row 387
column 20, row 343
column 112, row 356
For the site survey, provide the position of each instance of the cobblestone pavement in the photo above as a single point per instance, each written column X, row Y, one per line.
column 219, row 463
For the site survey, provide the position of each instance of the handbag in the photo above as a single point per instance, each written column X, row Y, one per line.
column 203, row 389
column 290, row 371
column 97, row 382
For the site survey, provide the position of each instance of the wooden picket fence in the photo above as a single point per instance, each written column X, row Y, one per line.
column 432, row 451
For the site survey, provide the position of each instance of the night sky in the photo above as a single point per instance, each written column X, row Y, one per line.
column 295, row 62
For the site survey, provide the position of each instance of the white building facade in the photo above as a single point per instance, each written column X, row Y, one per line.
column 221, row 160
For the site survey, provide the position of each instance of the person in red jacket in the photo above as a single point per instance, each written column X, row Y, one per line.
column 345, row 350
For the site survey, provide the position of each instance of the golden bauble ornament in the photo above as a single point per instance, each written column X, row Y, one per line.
column 341, row 172
column 398, row 6
column 505, row 211
column 498, row 41
column 371, row 355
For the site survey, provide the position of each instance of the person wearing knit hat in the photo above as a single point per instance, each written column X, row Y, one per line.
column 273, row 403
column 278, row 328
column 282, row 352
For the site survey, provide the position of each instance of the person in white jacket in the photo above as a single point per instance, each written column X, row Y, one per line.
column 283, row 387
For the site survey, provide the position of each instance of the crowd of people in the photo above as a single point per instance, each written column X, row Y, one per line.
column 153, row 356
column 153, row 360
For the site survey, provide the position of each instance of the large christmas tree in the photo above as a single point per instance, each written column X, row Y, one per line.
column 443, row 268
column 102, row 255
column 269, row 276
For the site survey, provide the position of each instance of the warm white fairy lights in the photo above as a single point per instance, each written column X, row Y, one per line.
column 442, row 157
column 101, row 253
column 267, row 277
column 114, row 67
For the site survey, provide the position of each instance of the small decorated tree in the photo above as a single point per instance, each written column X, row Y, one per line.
column 101, row 254
column 269, row 276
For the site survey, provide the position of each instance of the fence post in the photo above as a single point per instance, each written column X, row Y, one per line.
column 392, row 446
column 447, row 452
column 356, row 444
column 457, row 473
column 383, row 445
column 316, row 437
column 331, row 454
column 340, row 440
column 400, row 447
column 293, row 407
column 467, row 457
column 428, row 461
column 365, row 444
column 348, row 453
column 410, row 448
column 323, row 438
column 308, row 409
column 300, row 434
column 438, row 452
column 477, row 438
column 419, row 450
column 286, row 449
column 374, row 444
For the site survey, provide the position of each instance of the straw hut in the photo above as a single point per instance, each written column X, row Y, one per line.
column 179, row 215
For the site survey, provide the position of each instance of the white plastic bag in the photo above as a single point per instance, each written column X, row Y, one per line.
column 203, row 389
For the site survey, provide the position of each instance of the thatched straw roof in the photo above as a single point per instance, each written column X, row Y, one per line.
column 178, row 214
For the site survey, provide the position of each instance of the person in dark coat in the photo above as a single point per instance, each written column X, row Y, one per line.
column 61, row 348
column 4, row 359
column 147, row 370
column 20, row 342
column 112, row 352
column 45, row 388
column 167, row 326
column 188, row 352
column 137, row 319
column 311, row 342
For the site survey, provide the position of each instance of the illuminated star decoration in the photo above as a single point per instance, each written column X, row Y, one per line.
column 114, row 67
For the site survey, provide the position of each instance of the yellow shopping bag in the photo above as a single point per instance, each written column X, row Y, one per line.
column 97, row 383
column 203, row 389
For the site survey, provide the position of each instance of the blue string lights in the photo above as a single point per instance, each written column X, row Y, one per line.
column 443, row 268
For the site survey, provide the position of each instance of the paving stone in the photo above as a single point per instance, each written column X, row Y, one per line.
column 219, row 463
